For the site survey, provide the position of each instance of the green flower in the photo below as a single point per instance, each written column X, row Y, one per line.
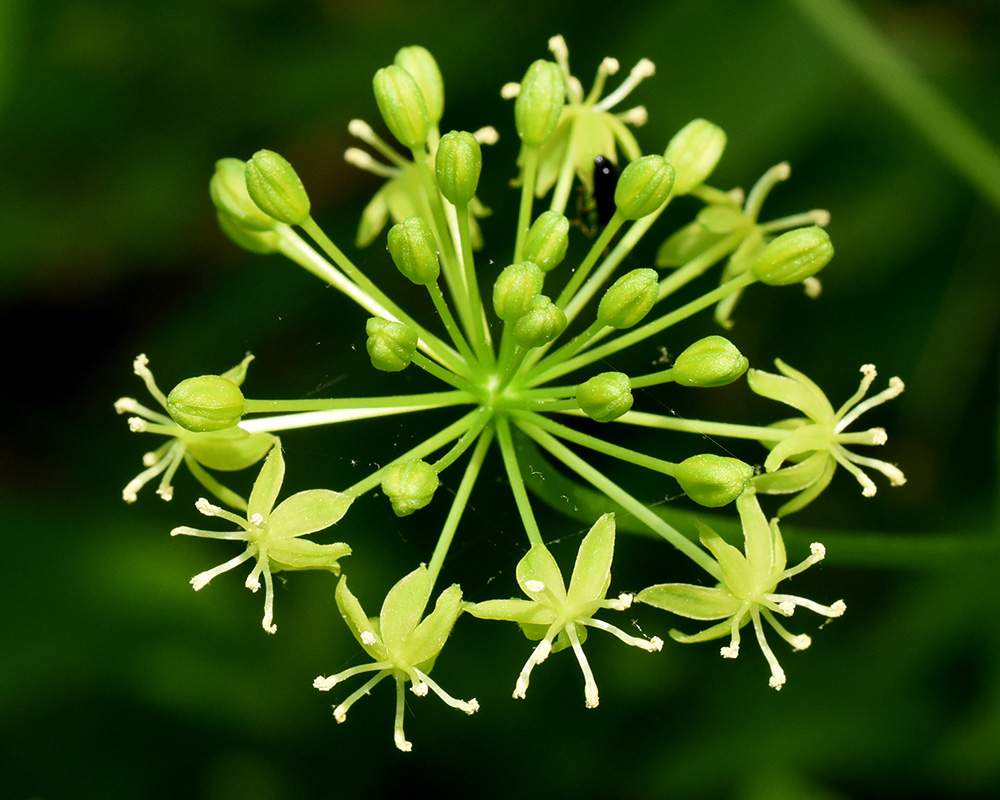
column 747, row 589
column 273, row 535
column 818, row 441
column 587, row 128
column 229, row 449
column 560, row 618
column 400, row 643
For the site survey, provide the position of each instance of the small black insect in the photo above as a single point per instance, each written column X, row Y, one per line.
column 605, row 181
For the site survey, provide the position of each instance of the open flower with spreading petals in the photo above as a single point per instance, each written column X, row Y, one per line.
column 560, row 618
column 274, row 534
column 229, row 449
column 818, row 442
column 747, row 591
column 402, row 643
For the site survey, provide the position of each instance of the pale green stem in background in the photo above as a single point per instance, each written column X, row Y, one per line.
column 760, row 434
column 569, row 291
column 407, row 401
column 439, row 372
column 465, row 441
column 623, row 498
column 517, row 481
column 458, row 505
column 564, row 182
column 441, row 306
column 481, row 343
column 527, row 197
column 900, row 84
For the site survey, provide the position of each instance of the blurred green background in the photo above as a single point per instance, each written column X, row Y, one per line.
column 118, row 681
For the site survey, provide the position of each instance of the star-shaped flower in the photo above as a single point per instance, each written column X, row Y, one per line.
column 747, row 590
column 228, row 450
column 560, row 618
column 818, row 442
column 400, row 643
column 273, row 535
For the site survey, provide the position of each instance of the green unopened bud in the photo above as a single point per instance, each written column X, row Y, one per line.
column 402, row 106
column 414, row 251
column 685, row 244
column 228, row 190
column 694, row 151
column 629, row 299
column 712, row 480
column 458, row 163
column 540, row 324
column 547, row 240
column 644, row 186
column 256, row 241
column 409, row 485
column 712, row 361
column 206, row 403
column 605, row 397
column 515, row 288
column 274, row 185
column 794, row 256
column 424, row 70
column 390, row 345
column 540, row 102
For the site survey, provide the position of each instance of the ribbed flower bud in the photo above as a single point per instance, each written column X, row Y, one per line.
column 390, row 345
column 402, row 106
column 605, row 397
column 206, row 403
column 547, row 240
column 694, row 151
column 712, row 480
column 712, row 361
column 274, row 185
column 414, row 251
column 228, row 190
column 409, row 485
column 643, row 186
column 458, row 163
column 794, row 256
column 514, row 289
column 540, row 324
column 629, row 299
column 425, row 73
column 540, row 102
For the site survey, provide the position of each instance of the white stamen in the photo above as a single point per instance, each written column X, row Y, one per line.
column 838, row 608
column 401, row 742
column 800, row 642
column 787, row 608
column 150, row 458
column 137, row 424
column 358, row 158
column 360, row 129
column 730, row 652
column 637, row 116
column 256, row 519
column 252, row 583
column 325, row 684
column 140, row 364
column 610, row 65
column 534, row 586
column 818, row 549
column 419, row 689
column 340, row 713
column 656, row 644
column 879, row 436
column 206, row 507
column 124, row 404
column 644, row 69
column 812, row 287
column 166, row 492
column 486, row 135
column 558, row 48
column 368, row 638
column 200, row 581
column 510, row 90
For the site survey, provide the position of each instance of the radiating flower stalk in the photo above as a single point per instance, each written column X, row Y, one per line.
column 522, row 353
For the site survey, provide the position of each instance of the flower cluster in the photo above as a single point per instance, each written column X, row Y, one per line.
column 521, row 353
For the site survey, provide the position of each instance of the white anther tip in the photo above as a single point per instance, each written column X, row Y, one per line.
column 534, row 586
column 368, row 638
column 510, row 90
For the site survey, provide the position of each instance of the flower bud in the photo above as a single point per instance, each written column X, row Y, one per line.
column 275, row 187
column 424, row 70
column 547, row 240
column 409, row 485
column 402, row 106
column 605, row 397
column 694, row 151
column 514, row 289
column 458, row 163
column 794, row 256
column 643, row 186
column 540, row 102
column 414, row 251
column 206, row 403
column 712, row 361
column 685, row 244
column 228, row 190
column 256, row 241
column 629, row 299
column 712, row 480
column 390, row 345
column 540, row 324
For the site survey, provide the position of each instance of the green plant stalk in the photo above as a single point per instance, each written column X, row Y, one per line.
column 517, row 481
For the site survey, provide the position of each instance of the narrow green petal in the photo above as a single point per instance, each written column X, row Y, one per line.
column 804, row 396
column 715, row 632
column 806, row 439
column 358, row 622
column 592, row 570
column 228, row 450
column 403, row 607
column 794, row 478
column 538, row 565
column 304, row 554
column 429, row 637
column 735, row 569
column 524, row 612
column 693, row 602
column 373, row 220
column 757, row 535
column 307, row 512
column 268, row 484
column 812, row 492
